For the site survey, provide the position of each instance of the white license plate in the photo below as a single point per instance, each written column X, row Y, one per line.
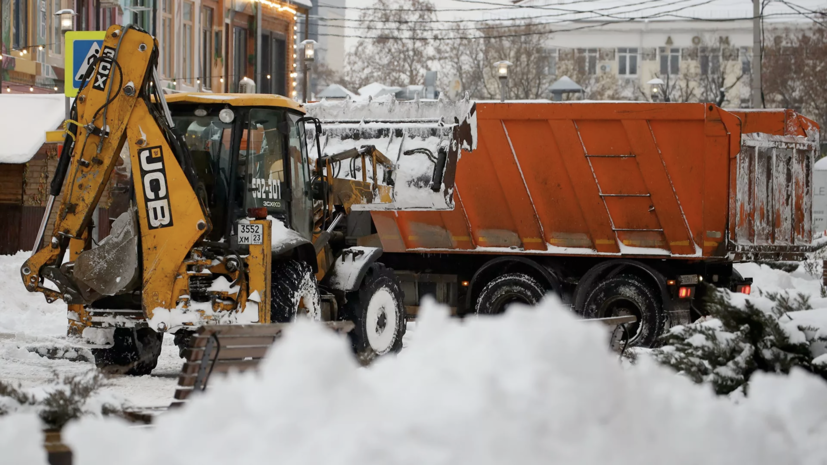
column 250, row 234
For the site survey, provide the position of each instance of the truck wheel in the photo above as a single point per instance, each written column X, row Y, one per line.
column 294, row 291
column 377, row 309
column 135, row 355
column 507, row 289
column 628, row 295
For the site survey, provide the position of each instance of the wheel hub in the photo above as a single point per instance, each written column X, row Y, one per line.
column 382, row 321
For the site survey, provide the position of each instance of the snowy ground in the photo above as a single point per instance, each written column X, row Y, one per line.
column 29, row 324
column 536, row 385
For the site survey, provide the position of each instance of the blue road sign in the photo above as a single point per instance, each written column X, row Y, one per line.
column 81, row 49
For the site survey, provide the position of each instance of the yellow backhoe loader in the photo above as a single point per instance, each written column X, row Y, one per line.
column 221, row 217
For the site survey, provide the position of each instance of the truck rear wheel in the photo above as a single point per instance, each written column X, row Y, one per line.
column 377, row 309
column 294, row 291
column 628, row 295
column 135, row 352
column 507, row 289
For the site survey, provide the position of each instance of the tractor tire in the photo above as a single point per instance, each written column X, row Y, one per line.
column 378, row 311
column 628, row 295
column 507, row 289
column 294, row 291
column 135, row 352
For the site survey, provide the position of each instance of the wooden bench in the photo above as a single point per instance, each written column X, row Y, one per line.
column 225, row 348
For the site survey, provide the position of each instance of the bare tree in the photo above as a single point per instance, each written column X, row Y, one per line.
column 463, row 61
column 795, row 73
column 523, row 46
column 397, row 52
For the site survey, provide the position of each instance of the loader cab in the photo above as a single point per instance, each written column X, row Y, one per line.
column 250, row 154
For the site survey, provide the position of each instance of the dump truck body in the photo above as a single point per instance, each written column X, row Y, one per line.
column 631, row 179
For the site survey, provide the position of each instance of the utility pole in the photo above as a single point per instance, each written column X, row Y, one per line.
column 757, row 101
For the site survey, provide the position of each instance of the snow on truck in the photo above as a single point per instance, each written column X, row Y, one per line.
column 618, row 208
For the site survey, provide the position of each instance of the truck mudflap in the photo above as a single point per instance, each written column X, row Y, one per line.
column 771, row 197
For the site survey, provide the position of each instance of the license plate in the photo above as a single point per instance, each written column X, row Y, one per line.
column 250, row 234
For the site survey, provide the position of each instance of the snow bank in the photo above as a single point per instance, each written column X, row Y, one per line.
column 21, row 440
column 532, row 386
column 22, row 311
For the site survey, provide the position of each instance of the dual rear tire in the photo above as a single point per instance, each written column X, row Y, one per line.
column 615, row 296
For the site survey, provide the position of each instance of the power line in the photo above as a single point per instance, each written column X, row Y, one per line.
column 486, row 26
column 796, row 8
column 533, row 33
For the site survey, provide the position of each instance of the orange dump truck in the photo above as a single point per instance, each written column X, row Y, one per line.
column 619, row 208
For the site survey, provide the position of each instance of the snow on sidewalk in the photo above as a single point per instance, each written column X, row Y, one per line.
column 28, row 323
column 532, row 386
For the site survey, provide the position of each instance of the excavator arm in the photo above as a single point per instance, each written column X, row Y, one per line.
column 121, row 102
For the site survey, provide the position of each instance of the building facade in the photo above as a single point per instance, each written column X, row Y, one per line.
column 615, row 48
column 206, row 45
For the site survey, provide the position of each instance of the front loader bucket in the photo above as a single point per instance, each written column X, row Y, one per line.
column 423, row 140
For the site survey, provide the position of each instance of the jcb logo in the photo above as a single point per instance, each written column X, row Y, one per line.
column 156, row 194
column 104, row 68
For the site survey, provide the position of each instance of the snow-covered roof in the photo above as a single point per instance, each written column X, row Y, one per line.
column 335, row 91
column 376, row 89
column 657, row 10
column 24, row 120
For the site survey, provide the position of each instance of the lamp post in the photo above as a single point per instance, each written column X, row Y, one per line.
column 309, row 57
column 502, row 74
column 656, row 88
column 67, row 23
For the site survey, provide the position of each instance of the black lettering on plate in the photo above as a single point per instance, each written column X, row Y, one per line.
column 105, row 66
column 156, row 192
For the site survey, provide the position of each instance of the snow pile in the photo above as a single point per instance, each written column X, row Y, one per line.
column 21, row 440
column 532, row 386
column 22, row 311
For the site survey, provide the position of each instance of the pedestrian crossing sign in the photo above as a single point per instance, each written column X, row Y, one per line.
column 81, row 49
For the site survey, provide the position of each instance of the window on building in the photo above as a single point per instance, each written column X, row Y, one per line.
column 239, row 56
column 746, row 60
column 139, row 13
column 55, row 35
column 187, row 43
column 587, row 60
column 206, row 45
column 670, row 60
column 167, row 39
column 20, row 33
column 627, row 61
column 710, row 59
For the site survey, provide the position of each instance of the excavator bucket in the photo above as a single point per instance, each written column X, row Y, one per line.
column 422, row 139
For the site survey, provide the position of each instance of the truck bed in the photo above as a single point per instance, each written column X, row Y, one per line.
column 633, row 179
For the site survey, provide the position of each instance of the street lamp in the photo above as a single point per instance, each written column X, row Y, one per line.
column 657, row 86
column 67, row 19
column 309, row 57
column 502, row 74
column 67, row 23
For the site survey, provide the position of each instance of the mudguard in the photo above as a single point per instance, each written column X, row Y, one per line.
column 350, row 267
